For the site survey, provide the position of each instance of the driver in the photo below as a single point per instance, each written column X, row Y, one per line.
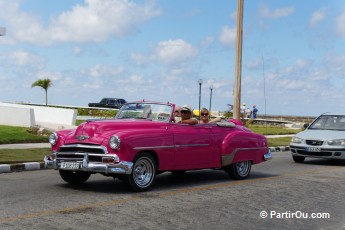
column 187, row 116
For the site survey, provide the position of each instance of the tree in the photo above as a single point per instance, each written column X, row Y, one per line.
column 44, row 84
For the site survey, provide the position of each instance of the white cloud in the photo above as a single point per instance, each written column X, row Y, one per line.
column 254, row 64
column 340, row 24
column 95, row 20
column 139, row 59
column 99, row 71
column 317, row 17
column 174, row 52
column 54, row 76
column 265, row 12
column 336, row 64
column 228, row 36
column 302, row 63
column 23, row 58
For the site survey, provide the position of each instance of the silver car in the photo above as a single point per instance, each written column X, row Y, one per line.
column 323, row 138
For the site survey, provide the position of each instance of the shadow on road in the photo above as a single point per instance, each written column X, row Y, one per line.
column 164, row 182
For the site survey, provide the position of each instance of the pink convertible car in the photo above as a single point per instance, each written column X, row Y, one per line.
column 143, row 141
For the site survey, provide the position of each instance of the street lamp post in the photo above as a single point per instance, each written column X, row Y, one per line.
column 211, row 88
column 200, row 83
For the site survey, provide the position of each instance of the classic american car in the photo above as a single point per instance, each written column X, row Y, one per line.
column 143, row 141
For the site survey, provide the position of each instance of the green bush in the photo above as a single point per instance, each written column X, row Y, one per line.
column 97, row 112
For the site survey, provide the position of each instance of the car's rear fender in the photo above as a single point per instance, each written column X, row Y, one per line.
column 240, row 146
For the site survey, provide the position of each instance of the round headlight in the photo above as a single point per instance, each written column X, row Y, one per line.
column 114, row 142
column 53, row 138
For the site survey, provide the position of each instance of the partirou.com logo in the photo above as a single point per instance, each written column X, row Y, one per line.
column 294, row 215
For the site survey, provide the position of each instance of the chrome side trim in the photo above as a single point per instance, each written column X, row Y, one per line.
column 170, row 146
column 154, row 147
column 191, row 145
column 245, row 149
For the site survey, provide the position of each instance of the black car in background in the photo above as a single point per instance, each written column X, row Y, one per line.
column 114, row 103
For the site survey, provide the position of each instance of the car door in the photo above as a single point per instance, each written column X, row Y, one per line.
column 193, row 146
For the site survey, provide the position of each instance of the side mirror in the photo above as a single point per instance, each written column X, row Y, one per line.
column 306, row 125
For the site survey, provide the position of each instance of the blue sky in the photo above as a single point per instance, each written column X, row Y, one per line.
column 293, row 52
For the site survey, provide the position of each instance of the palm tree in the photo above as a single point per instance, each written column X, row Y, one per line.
column 44, row 84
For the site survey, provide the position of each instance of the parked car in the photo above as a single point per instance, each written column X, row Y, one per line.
column 323, row 138
column 114, row 103
column 143, row 141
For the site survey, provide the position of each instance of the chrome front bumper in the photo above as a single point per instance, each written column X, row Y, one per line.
column 122, row 167
column 268, row 156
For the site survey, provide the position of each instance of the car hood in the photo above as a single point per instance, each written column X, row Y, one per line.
column 321, row 134
column 95, row 132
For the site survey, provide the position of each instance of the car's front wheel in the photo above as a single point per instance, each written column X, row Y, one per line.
column 239, row 170
column 298, row 159
column 72, row 177
column 143, row 173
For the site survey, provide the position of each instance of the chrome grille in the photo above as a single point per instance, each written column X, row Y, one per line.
column 77, row 152
column 83, row 149
column 314, row 142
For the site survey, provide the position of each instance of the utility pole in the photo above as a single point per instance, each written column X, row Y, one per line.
column 238, row 67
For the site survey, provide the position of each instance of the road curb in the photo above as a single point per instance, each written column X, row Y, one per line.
column 19, row 167
column 279, row 149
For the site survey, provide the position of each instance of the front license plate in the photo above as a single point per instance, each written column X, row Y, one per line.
column 70, row 165
column 313, row 149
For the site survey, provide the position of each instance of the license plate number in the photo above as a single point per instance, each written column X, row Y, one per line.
column 70, row 165
column 313, row 149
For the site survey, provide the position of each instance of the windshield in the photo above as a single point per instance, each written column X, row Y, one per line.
column 329, row 122
column 143, row 110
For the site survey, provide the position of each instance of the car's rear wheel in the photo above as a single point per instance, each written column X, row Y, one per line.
column 298, row 159
column 72, row 177
column 143, row 173
column 239, row 170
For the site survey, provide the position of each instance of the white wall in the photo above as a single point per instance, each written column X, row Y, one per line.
column 48, row 117
column 16, row 116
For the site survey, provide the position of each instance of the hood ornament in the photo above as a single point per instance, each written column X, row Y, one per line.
column 82, row 137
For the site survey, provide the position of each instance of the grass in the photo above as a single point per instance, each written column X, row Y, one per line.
column 8, row 156
column 12, row 135
column 280, row 141
column 272, row 130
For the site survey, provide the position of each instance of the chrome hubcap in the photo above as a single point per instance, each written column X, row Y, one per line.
column 143, row 172
column 243, row 168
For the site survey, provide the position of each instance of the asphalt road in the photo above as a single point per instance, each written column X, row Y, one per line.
column 290, row 194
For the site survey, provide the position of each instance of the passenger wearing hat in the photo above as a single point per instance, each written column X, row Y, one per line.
column 187, row 116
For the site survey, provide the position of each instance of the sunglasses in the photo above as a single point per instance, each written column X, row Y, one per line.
column 184, row 111
column 204, row 114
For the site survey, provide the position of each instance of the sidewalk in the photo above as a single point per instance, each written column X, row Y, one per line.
column 25, row 146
